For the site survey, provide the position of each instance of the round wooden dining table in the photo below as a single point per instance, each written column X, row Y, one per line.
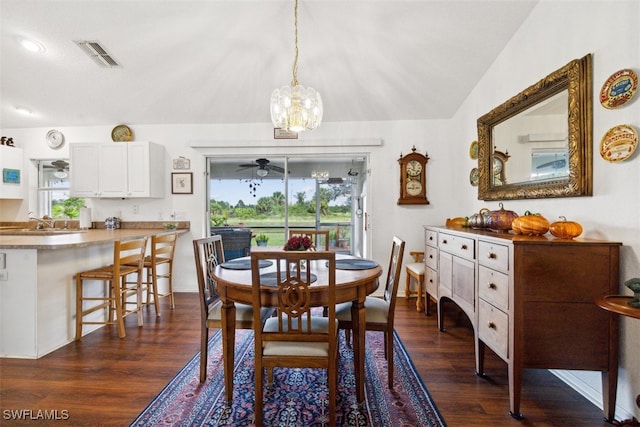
column 234, row 286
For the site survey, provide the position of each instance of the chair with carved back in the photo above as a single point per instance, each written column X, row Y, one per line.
column 379, row 311
column 209, row 253
column 295, row 337
column 319, row 238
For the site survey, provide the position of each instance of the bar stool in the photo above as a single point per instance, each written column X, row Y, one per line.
column 162, row 250
column 416, row 270
column 128, row 259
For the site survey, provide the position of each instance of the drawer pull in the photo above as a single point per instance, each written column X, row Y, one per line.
column 492, row 286
column 492, row 255
column 430, row 280
column 431, row 256
column 492, row 325
column 463, row 247
column 444, row 241
column 430, row 238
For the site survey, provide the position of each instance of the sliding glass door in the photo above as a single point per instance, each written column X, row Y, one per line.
column 270, row 196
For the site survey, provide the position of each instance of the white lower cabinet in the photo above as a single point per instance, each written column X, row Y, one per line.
column 117, row 170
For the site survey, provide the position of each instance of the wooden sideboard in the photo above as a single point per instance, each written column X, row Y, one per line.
column 531, row 300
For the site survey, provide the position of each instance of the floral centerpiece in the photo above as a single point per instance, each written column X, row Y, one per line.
column 298, row 243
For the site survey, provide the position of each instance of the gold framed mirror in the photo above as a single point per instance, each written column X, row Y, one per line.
column 546, row 133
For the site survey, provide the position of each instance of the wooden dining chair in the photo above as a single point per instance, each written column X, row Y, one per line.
column 209, row 253
column 294, row 337
column 379, row 311
column 162, row 250
column 314, row 235
column 128, row 259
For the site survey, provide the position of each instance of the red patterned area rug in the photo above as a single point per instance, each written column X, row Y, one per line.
column 298, row 396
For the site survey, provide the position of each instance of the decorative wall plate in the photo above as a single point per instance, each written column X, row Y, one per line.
column 618, row 143
column 474, row 177
column 121, row 133
column 619, row 88
column 473, row 150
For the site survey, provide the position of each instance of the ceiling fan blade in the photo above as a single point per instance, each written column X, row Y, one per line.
column 248, row 165
column 275, row 168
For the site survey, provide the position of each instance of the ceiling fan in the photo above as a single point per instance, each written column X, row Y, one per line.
column 263, row 166
column 61, row 167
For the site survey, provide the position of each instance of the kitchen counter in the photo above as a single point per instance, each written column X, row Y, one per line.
column 77, row 239
column 37, row 284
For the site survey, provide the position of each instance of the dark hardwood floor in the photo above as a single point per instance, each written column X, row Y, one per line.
column 104, row 380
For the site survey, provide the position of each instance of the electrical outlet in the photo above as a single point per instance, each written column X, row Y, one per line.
column 135, row 209
column 4, row 275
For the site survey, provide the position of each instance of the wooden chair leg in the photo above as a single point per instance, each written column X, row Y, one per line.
column 119, row 317
column 204, row 340
column 407, row 286
column 389, row 353
column 419, row 302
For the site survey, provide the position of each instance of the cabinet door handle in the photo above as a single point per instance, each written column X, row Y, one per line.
column 430, row 280
column 492, row 325
column 492, row 286
column 492, row 255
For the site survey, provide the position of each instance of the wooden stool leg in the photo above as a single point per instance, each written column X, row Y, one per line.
column 118, row 300
column 154, row 287
column 419, row 302
column 78, row 307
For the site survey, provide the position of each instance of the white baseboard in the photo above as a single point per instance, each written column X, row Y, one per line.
column 586, row 389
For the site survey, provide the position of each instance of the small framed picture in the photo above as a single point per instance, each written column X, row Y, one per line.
column 279, row 133
column 11, row 176
column 182, row 183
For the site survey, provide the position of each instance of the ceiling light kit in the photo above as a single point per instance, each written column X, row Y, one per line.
column 31, row 45
column 295, row 108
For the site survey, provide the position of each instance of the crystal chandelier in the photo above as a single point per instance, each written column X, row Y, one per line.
column 293, row 107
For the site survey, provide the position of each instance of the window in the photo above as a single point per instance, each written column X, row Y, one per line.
column 53, row 190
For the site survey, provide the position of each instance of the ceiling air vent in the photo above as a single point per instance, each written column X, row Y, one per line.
column 98, row 53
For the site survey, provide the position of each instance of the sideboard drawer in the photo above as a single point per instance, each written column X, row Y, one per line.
column 493, row 287
column 431, row 238
column 460, row 246
column 493, row 328
column 431, row 257
column 431, row 281
column 493, row 255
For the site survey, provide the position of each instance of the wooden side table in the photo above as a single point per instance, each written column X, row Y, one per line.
column 619, row 304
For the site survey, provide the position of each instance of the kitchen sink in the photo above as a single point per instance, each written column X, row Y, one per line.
column 36, row 232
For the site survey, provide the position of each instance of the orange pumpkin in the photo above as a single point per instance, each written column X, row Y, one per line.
column 530, row 224
column 457, row 222
column 565, row 229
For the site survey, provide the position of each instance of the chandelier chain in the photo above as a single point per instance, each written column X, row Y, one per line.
column 294, row 82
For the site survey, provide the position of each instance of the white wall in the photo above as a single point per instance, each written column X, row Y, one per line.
column 555, row 33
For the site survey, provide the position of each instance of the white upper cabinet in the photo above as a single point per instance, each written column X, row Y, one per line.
column 108, row 170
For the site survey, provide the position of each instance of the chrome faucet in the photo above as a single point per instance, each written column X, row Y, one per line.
column 45, row 220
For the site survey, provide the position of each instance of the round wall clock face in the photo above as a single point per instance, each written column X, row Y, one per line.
column 414, row 188
column 55, row 139
column 414, row 168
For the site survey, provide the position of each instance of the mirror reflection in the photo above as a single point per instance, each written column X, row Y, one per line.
column 538, row 144
column 537, row 140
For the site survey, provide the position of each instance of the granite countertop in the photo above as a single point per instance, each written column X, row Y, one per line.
column 84, row 238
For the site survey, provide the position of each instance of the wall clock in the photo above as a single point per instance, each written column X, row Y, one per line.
column 413, row 185
column 499, row 160
column 55, row 139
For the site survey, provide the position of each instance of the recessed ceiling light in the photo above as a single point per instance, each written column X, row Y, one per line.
column 23, row 110
column 31, row 45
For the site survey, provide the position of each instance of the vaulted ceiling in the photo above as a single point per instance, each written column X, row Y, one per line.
column 214, row 61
